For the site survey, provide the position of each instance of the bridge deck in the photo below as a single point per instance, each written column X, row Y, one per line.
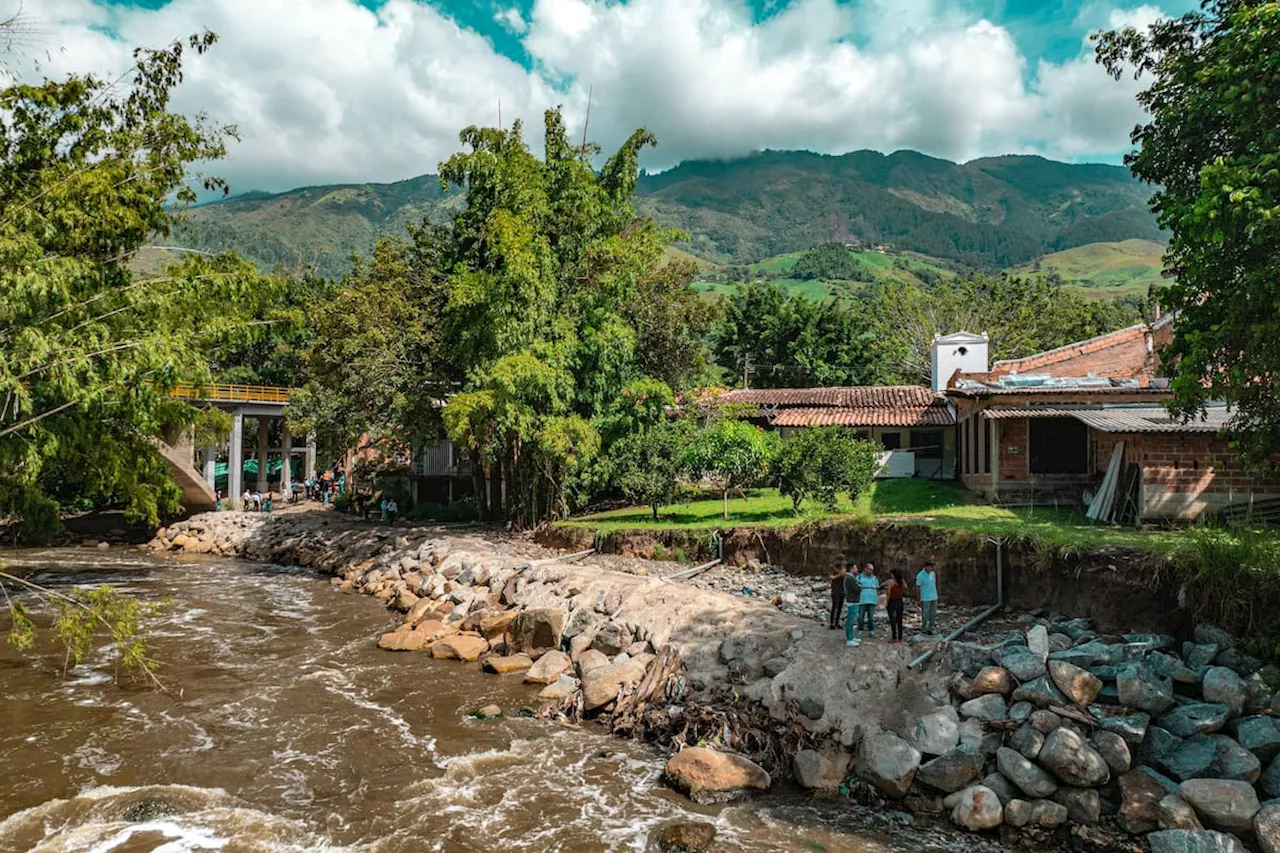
column 219, row 392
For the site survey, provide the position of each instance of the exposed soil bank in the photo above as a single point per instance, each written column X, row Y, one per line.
column 1120, row 590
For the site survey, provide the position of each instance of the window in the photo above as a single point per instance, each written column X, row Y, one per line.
column 891, row 440
column 927, row 444
column 964, row 443
column 1057, row 446
column 986, row 446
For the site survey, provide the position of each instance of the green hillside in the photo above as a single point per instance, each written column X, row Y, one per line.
column 1127, row 268
column 881, row 266
column 988, row 214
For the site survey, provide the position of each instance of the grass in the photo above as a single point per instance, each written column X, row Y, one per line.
column 941, row 505
column 1103, row 270
column 882, row 264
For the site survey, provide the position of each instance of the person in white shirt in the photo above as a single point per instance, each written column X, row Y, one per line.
column 246, row 499
column 392, row 509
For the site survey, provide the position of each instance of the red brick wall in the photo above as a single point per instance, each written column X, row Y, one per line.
column 1122, row 355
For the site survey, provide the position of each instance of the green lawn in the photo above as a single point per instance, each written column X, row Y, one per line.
column 931, row 503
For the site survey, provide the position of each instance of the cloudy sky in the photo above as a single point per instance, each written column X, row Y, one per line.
column 376, row 90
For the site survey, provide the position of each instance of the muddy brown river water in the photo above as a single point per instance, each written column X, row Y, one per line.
column 285, row 729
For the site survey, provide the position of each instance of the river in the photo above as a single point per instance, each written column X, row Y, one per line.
column 284, row 728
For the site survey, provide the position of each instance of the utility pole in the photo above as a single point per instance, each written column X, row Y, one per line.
column 746, row 370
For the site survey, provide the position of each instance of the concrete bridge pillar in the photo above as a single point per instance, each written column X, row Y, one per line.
column 310, row 467
column 263, row 425
column 211, row 466
column 286, row 457
column 235, row 458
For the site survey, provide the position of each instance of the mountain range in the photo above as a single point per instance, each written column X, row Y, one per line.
column 988, row 214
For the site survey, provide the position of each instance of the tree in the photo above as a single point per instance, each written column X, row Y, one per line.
column 89, row 172
column 1212, row 149
column 731, row 453
column 528, row 317
column 831, row 261
column 822, row 462
column 648, row 463
column 786, row 340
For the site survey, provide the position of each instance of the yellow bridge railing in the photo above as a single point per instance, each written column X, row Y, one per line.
column 220, row 392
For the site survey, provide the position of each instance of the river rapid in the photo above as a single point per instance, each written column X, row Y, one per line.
column 284, row 728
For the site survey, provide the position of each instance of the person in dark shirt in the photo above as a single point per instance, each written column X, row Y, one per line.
column 837, row 597
column 896, row 604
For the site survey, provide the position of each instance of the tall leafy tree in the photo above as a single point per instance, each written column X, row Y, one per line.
column 528, row 315
column 732, row 454
column 1212, row 148
column 88, row 173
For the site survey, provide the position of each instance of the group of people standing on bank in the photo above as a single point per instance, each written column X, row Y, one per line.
column 855, row 594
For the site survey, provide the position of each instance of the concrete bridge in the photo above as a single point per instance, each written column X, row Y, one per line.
column 261, row 403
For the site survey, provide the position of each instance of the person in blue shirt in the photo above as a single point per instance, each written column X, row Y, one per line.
column 927, row 582
column 868, row 598
column 851, row 601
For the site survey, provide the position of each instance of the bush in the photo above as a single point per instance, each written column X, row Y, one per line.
column 820, row 463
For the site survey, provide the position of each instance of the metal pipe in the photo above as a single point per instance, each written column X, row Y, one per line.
column 981, row 617
column 560, row 558
column 696, row 570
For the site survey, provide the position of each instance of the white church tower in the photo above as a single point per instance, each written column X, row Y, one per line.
column 963, row 351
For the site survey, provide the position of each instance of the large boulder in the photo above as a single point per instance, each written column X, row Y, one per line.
column 1222, row 685
column 709, row 776
column 403, row 641
column 1044, row 814
column 1224, row 804
column 1143, row 690
column 589, row 660
column 684, row 837
column 1038, row 641
column 1023, row 665
column 466, row 647
column 977, row 808
column 1069, row 757
column 503, row 664
column 991, row 679
column 819, row 770
column 537, row 629
column 1211, row 634
column 1140, row 795
column 1083, row 805
column 1266, row 826
column 1176, row 813
column 1259, row 735
column 1114, row 750
column 1131, row 727
column 548, row 668
column 1270, row 781
column 601, row 685
column 612, row 638
column 1004, row 789
column 889, row 763
column 1196, row 718
column 1191, row 841
column 1031, row 779
column 951, row 772
column 1232, row 761
column 1078, row 685
column 1027, row 741
column 936, row 732
column 990, row 707
column 1040, row 692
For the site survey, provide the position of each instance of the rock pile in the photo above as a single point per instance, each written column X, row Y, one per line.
column 1061, row 725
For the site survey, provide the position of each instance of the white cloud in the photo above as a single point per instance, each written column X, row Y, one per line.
column 326, row 90
column 512, row 20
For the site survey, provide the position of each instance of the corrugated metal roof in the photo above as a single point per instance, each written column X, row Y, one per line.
column 917, row 416
column 1152, row 419
column 847, row 397
column 1119, row 418
column 977, row 390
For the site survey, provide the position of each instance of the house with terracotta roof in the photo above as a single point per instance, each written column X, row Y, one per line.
column 917, row 424
column 1086, row 425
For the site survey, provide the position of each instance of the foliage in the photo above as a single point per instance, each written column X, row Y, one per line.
column 1023, row 316
column 543, row 312
column 84, row 617
column 1212, row 149
column 822, row 462
column 831, row 260
column 1233, row 577
column 786, row 341
column 732, row 454
column 88, row 172
column 648, row 463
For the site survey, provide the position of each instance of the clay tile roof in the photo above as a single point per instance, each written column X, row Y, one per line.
column 863, row 417
column 872, row 405
column 851, row 397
